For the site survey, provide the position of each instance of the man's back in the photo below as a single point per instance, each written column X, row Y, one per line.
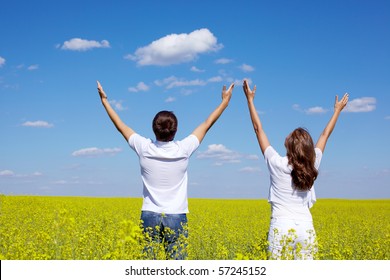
column 164, row 172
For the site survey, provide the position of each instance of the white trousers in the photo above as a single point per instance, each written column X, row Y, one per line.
column 291, row 239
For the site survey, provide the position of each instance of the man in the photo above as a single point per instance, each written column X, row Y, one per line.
column 164, row 172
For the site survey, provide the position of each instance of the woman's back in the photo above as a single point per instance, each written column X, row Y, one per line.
column 286, row 200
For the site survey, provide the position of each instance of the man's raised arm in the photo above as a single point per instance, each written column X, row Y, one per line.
column 201, row 130
column 119, row 124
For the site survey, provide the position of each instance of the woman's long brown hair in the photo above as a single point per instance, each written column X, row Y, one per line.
column 301, row 156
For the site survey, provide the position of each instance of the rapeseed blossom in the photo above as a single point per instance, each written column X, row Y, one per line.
column 75, row 228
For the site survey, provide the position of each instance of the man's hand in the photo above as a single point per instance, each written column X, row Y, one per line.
column 227, row 94
column 101, row 91
column 121, row 126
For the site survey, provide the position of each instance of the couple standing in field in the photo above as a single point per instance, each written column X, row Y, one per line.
column 164, row 164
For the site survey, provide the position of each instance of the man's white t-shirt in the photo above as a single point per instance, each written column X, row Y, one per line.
column 286, row 201
column 164, row 172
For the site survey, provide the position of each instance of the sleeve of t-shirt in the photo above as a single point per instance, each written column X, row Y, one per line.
column 269, row 153
column 318, row 158
column 190, row 144
column 136, row 142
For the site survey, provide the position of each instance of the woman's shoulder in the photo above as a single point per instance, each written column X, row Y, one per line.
column 278, row 162
column 271, row 153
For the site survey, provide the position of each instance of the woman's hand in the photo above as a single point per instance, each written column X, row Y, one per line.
column 340, row 105
column 250, row 94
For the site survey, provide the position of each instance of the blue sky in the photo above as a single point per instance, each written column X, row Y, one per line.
column 176, row 55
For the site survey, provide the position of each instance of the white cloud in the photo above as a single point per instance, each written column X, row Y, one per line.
column 10, row 173
column 176, row 48
column 358, row 105
column 387, row 118
column 166, row 81
column 247, row 68
column 186, row 83
column 215, row 79
column 252, row 157
column 383, row 172
column 6, row 173
column 33, row 67
column 361, row 105
column 186, row 91
column 60, row 182
column 196, row 69
column 43, row 124
column 219, row 152
column 170, row 99
column 117, row 105
column 310, row 111
column 250, row 169
column 2, row 61
column 73, row 181
column 141, row 86
column 296, row 107
column 315, row 110
column 93, row 152
column 130, row 57
column 78, row 44
column 223, row 61
column 221, row 155
column 173, row 82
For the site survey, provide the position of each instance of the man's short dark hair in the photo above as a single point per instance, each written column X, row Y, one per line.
column 165, row 126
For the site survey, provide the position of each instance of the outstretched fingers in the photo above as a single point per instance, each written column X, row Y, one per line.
column 229, row 89
column 226, row 94
column 100, row 90
column 340, row 105
column 245, row 86
column 345, row 98
column 248, row 92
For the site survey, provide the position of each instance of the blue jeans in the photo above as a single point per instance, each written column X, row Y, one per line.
column 168, row 229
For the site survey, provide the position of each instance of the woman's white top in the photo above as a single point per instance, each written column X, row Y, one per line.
column 286, row 201
column 164, row 172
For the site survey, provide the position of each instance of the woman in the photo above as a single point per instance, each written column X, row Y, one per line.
column 291, row 193
column 164, row 172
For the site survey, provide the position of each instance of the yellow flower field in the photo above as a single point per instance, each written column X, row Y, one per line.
column 59, row 228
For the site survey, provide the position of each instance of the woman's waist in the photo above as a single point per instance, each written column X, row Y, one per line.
column 299, row 213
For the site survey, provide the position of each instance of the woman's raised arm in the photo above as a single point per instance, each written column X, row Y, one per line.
column 338, row 107
column 258, row 127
